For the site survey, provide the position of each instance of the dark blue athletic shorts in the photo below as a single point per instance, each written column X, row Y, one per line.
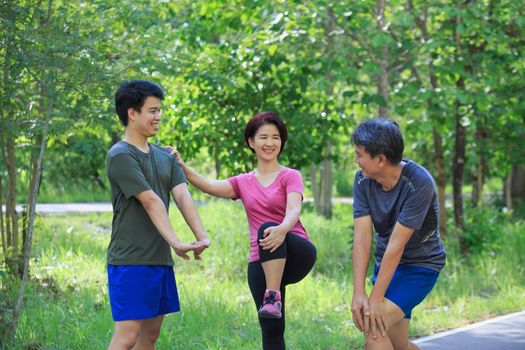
column 138, row 292
column 409, row 286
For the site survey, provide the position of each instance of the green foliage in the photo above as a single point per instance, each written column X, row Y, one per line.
column 483, row 229
column 315, row 63
column 344, row 183
column 232, row 77
column 86, row 148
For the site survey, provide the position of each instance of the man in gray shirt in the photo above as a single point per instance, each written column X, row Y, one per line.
column 397, row 199
column 141, row 280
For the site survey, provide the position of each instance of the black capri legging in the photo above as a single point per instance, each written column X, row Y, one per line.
column 300, row 257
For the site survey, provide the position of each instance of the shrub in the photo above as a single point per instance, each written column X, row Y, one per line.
column 484, row 229
column 344, row 183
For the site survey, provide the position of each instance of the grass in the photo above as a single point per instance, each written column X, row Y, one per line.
column 70, row 193
column 67, row 307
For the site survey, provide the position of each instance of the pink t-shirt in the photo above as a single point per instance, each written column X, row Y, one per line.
column 263, row 204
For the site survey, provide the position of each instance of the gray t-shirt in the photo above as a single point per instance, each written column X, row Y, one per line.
column 413, row 203
column 134, row 238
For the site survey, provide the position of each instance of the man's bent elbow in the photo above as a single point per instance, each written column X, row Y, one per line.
column 148, row 199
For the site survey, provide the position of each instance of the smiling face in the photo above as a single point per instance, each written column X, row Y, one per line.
column 369, row 165
column 266, row 142
column 146, row 122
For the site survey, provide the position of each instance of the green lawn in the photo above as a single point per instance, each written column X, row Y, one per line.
column 66, row 305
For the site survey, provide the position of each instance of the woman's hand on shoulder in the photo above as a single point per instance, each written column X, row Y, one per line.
column 175, row 152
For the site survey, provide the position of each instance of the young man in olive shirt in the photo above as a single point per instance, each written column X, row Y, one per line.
column 141, row 280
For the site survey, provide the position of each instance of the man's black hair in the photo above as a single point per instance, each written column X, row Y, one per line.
column 380, row 136
column 132, row 94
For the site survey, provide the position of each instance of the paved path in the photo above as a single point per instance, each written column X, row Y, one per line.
column 69, row 207
column 106, row 207
column 501, row 333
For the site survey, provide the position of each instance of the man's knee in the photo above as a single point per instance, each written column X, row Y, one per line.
column 405, row 345
column 377, row 342
column 399, row 343
column 149, row 336
column 379, row 338
column 126, row 338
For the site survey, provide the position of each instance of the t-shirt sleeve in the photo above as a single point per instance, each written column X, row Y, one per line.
column 416, row 207
column 234, row 181
column 177, row 174
column 125, row 171
column 360, row 205
column 294, row 182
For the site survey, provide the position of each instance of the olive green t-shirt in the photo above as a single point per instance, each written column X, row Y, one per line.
column 134, row 238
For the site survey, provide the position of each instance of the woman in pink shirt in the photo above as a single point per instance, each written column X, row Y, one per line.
column 281, row 252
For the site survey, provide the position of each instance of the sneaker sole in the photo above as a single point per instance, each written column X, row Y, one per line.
column 269, row 315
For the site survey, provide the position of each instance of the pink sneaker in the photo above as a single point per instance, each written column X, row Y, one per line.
column 271, row 307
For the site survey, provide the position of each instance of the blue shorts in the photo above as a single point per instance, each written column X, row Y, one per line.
column 138, row 292
column 409, row 286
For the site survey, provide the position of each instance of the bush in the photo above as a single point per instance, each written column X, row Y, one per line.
column 344, row 183
column 484, row 228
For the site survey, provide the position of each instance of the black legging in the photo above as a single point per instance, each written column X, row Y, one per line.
column 300, row 257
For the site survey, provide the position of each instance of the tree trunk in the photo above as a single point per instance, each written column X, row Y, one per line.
column 322, row 190
column 33, row 194
column 440, row 180
column 439, row 158
column 33, row 166
column 507, row 189
column 3, row 224
column 459, row 152
column 2, row 229
column 326, row 183
column 478, row 180
column 459, row 148
column 322, row 185
column 11, row 214
column 459, row 163
column 382, row 84
column 315, row 189
column 475, row 195
column 217, row 167
column 518, row 183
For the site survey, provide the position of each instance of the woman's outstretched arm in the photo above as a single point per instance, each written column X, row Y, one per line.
column 217, row 188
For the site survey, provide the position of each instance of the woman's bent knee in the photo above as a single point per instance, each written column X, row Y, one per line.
column 264, row 226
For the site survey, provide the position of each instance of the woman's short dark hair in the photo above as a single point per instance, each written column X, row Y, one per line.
column 380, row 136
column 259, row 120
column 132, row 94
